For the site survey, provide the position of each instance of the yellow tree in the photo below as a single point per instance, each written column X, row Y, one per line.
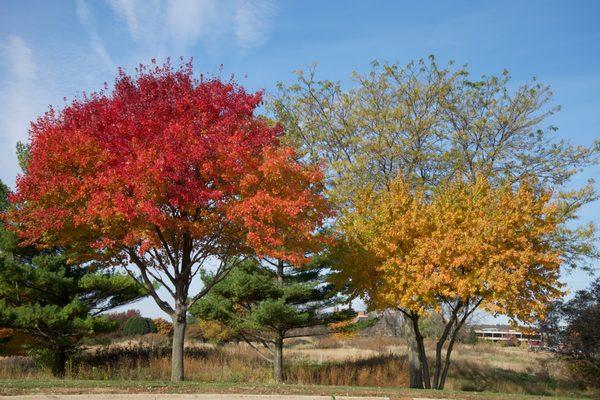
column 425, row 122
column 463, row 246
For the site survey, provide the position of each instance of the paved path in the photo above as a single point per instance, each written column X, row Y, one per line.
column 181, row 397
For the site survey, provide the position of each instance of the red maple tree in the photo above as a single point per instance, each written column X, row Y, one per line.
column 165, row 175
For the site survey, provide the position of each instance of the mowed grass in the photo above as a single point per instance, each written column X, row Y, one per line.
column 360, row 363
column 68, row 386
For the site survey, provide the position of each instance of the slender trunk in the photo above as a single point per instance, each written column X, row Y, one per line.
column 179, row 324
column 453, row 337
column 438, row 363
column 278, row 354
column 421, row 351
column 446, row 364
column 414, row 367
column 278, row 360
column 437, row 369
column 280, row 271
column 59, row 362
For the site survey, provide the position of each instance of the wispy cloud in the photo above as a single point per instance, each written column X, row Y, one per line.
column 17, row 94
column 156, row 27
column 191, row 20
column 126, row 9
column 19, row 58
column 177, row 25
column 86, row 18
column 252, row 22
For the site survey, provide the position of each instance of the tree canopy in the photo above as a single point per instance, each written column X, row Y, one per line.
column 462, row 246
column 166, row 173
column 426, row 125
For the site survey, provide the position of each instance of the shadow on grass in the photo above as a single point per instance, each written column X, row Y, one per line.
column 470, row 376
column 382, row 370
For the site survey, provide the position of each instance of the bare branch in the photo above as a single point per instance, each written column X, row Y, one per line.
column 147, row 282
column 256, row 349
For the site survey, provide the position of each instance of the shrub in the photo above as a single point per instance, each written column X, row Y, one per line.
column 163, row 327
column 13, row 343
column 210, row 331
column 584, row 370
column 139, row 326
column 121, row 318
column 470, row 337
column 511, row 342
column 380, row 370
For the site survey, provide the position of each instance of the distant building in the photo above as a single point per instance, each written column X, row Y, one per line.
column 498, row 335
column 361, row 316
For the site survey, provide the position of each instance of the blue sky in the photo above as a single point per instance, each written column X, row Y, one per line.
column 55, row 49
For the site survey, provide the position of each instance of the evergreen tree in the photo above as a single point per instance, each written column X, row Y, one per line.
column 266, row 303
column 139, row 326
column 54, row 302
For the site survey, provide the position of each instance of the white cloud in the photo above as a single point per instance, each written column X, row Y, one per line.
column 86, row 18
column 252, row 22
column 177, row 25
column 126, row 9
column 20, row 59
column 190, row 20
column 18, row 95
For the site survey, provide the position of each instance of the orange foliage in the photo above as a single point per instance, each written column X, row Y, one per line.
column 339, row 332
column 13, row 343
column 464, row 241
column 163, row 327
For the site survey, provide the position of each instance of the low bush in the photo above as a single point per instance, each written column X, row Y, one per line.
column 13, row 343
column 20, row 367
column 138, row 326
column 209, row 331
column 163, row 327
column 121, row 318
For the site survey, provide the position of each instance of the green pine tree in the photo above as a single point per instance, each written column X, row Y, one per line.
column 264, row 304
column 53, row 302
column 138, row 325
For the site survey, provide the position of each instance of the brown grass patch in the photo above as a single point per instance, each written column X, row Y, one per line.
column 357, row 361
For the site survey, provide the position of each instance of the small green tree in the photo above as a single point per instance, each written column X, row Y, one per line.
column 139, row 326
column 470, row 337
column 264, row 304
column 53, row 302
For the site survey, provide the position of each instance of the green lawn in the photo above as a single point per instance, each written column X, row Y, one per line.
column 55, row 386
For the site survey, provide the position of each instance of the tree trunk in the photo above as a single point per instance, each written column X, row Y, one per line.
column 278, row 354
column 449, row 350
column 179, row 324
column 278, row 360
column 439, row 346
column 414, row 367
column 446, row 365
column 422, row 354
column 280, row 271
column 59, row 362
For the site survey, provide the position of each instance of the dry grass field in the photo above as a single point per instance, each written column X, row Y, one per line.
column 360, row 361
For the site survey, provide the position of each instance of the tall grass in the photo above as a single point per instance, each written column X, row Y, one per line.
column 20, row 367
column 213, row 364
column 138, row 362
column 381, row 370
column 324, row 361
